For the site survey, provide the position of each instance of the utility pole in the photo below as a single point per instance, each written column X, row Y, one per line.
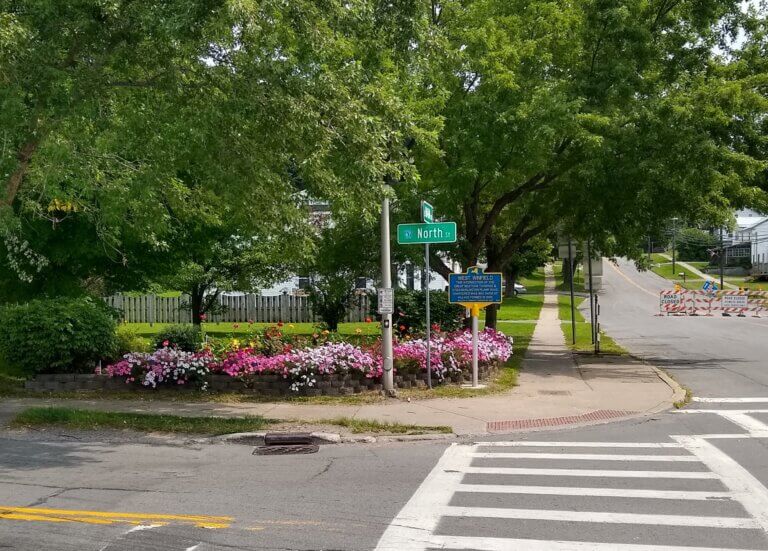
column 722, row 260
column 591, row 293
column 674, row 246
column 650, row 248
column 386, row 319
column 573, row 306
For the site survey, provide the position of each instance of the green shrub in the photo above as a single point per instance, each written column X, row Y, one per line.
column 411, row 311
column 61, row 335
column 186, row 337
column 129, row 340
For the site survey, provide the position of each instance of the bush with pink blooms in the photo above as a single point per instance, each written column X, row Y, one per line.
column 304, row 367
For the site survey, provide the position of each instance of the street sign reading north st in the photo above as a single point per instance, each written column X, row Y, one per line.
column 438, row 232
column 475, row 287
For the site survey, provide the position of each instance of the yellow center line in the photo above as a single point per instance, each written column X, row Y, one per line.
column 103, row 517
column 625, row 276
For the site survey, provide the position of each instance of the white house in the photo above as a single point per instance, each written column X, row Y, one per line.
column 752, row 228
column 757, row 234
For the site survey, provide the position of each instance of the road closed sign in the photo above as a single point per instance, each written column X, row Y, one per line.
column 672, row 299
column 735, row 301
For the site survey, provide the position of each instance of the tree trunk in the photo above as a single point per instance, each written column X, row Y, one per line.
column 14, row 181
column 491, row 314
column 509, row 287
column 196, row 297
column 567, row 272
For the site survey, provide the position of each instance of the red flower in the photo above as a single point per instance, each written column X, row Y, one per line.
column 280, row 324
column 166, row 343
column 367, row 320
column 203, row 317
column 402, row 328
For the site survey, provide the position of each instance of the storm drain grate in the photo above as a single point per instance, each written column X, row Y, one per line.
column 286, row 450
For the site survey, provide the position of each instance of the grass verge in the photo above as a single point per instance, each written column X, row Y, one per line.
column 583, row 330
column 366, row 426
column 84, row 419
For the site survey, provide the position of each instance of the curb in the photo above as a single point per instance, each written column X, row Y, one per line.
column 324, row 438
column 679, row 393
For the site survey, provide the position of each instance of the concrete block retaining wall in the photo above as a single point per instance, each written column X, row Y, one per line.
column 265, row 385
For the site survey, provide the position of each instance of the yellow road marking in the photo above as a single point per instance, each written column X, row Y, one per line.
column 625, row 276
column 103, row 517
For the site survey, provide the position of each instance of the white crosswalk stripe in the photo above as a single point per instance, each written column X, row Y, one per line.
column 731, row 505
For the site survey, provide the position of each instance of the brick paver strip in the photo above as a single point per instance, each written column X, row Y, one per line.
column 599, row 415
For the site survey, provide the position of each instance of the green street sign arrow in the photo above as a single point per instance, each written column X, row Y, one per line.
column 427, row 212
column 419, row 234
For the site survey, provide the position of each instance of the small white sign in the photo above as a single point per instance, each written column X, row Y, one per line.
column 386, row 301
column 735, row 301
column 671, row 299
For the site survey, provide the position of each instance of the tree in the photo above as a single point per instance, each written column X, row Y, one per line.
column 695, row 244
column 532, row 255
column 346, row 249
column 118, row 116
column 601, row 118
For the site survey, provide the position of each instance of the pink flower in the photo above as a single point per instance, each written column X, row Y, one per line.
column 203, row 317
column 166, row 342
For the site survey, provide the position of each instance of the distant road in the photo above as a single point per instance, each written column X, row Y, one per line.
column 713, row 356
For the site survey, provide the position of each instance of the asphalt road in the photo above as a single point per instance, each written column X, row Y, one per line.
column 713, row 356
column 678, row 481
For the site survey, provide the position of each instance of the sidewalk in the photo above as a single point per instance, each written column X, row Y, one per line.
column 700, row 274
column 554, row 390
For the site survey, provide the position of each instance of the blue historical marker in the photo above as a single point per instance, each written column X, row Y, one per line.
column 475, row 287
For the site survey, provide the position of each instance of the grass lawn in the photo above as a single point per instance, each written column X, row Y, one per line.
column 149, row 422
column 359, row 426
column 665, row 271
column 83, row 419
column 229, row 329
column 745, row 282
column 521, row 307
column 659, row 258
column 583, row 330
column 535, row 282
column 578, row 280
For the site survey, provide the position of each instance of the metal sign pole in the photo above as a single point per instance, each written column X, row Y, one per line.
column 571, row 275
column 388, row 377
column 475, row 314
column 429, row 322
column 591, row 293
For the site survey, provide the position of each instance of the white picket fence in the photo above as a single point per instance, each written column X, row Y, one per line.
column 237, row 309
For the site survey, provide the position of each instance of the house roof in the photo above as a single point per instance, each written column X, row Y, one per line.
column 749, row 222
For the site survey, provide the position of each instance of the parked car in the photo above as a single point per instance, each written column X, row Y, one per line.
column 520, row 289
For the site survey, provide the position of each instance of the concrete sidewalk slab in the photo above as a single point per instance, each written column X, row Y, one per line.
column 555, row 389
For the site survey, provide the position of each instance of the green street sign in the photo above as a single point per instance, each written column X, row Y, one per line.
column 419, row 234
column 427, row 212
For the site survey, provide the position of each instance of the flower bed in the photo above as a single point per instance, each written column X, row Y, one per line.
column 310, row 368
